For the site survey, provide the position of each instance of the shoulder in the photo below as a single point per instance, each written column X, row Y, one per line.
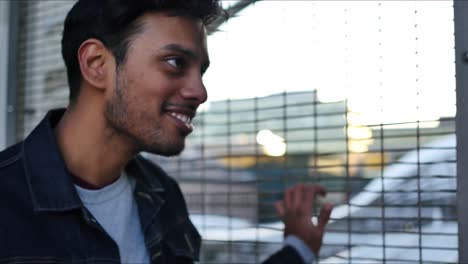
column 14, row 192
column 11, row 169
column 10, row 156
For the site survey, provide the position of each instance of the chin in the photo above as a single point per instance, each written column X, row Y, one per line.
column 167, row 151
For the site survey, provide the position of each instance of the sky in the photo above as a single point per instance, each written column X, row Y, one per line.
column 392, row 60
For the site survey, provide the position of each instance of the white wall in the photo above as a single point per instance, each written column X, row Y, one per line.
column 4, row 26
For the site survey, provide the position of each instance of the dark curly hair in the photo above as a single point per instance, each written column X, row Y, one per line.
column 115, row 22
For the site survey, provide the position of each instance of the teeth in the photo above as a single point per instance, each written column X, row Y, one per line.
column 187, row 120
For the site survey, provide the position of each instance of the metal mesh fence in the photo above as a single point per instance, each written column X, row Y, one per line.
column 231, row 181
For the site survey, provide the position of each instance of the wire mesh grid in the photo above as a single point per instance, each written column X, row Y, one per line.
column 409, row 208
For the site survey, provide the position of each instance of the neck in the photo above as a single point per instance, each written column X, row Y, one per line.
column 93, row 151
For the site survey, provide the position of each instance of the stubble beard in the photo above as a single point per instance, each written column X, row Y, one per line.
column 134, row 125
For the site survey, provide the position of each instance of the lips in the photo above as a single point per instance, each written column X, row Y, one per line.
column 181, row 115
column 185, row 119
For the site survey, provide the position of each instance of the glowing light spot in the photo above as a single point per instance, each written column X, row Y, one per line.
column 273, row 145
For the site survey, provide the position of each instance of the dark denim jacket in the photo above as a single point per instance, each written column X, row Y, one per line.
column 42, row 219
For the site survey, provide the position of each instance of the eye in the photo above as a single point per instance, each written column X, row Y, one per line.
column 176, row 62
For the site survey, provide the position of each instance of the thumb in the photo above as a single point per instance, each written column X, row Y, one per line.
column 324, row 215
column 280, row 208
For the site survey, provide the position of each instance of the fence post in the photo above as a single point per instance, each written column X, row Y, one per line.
column 461, row 53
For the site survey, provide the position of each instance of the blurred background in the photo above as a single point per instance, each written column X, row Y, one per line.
column 356, row 95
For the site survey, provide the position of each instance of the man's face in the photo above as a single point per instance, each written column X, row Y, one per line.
column 159, row 86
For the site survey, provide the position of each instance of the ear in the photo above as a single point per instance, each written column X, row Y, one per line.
column 95, row 63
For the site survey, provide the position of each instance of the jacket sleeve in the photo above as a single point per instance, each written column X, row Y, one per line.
column 286, row 255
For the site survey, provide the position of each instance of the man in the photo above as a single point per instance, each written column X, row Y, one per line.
column 76, row 190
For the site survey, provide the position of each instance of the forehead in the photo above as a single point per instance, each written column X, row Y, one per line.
column 162, row 29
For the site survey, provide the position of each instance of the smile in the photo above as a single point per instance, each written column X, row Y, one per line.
column 187, row 120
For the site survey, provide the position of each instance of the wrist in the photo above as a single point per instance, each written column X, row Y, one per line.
column 312, row 244
column 304, row 250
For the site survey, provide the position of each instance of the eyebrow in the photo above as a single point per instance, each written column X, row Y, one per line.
column 176, row 47
column 187, row 52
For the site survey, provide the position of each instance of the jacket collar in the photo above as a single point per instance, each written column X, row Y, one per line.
column 49, row 181
column 147, row 178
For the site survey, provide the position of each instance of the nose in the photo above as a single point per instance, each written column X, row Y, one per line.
column 195, row 90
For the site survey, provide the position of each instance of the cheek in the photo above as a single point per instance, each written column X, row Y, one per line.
column 152, row 88
column 161, row 89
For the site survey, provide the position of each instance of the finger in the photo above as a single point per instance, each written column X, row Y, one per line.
column 324, row 216
column 288, row 197
column 280, row 208
column 298, row 196
column 317, row 190
column 307, row 203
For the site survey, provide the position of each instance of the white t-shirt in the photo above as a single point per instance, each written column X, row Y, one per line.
column 115, row 209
